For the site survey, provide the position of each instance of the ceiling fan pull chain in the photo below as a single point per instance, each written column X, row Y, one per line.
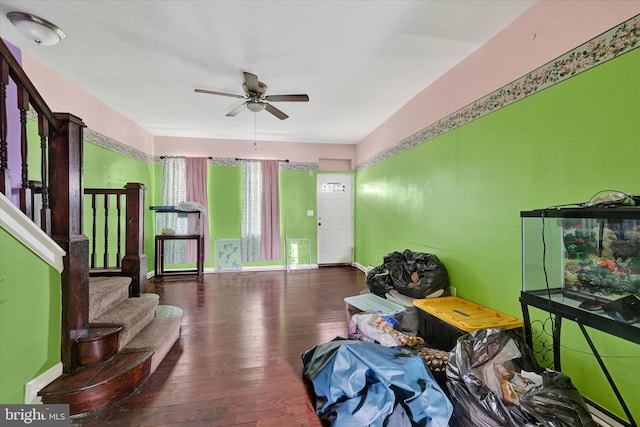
column 255, row 143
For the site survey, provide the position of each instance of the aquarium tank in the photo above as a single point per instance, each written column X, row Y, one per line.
column 588, row 258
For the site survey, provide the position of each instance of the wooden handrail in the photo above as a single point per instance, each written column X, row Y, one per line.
column 20, row 78
column 105, row 191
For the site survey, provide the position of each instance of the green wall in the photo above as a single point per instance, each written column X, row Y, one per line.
column 30, row 318
column 459, row 196
column 104, row 168
column 299, row 195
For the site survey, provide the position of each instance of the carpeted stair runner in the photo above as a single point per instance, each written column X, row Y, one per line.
column 133, row 314
column 146, row 325
column 148, row 332
column 105, row 292
column 159, row 335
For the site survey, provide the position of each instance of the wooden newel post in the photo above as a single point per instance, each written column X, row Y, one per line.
column 65, row 195
column 134, row 263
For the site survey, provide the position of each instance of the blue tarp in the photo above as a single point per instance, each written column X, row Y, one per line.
column 359, row 384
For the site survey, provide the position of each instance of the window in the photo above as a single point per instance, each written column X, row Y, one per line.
column 260, row 211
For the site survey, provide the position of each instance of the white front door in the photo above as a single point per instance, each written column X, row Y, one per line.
column 335, row 218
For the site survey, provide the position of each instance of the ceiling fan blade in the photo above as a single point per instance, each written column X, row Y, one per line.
column 213, row 92
column 251, row 81
column 236, row 110
column 287, row 98
column 273, row 110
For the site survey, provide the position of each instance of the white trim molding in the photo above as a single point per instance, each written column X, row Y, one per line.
column 601, row 417
column 38, row 383
column 361, row 267
column 29, row 234
column 244, row 269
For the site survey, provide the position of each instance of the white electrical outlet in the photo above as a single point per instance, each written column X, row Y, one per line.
column 452, row 290
column 310, row 212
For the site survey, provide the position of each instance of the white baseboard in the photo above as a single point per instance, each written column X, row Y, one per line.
column 152, row 273
column 305, row 267
column 601, row 418
column 38, row 383
column 361, row 267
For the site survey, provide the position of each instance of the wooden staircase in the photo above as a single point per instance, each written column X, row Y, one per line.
column 126, row 341
column 113, row 335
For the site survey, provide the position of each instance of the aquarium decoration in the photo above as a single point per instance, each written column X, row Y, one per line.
column 602, row 258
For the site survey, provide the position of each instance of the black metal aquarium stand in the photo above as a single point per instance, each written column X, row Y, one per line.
column 583, row 318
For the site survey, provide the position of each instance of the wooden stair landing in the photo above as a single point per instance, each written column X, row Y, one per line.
column 96, row 386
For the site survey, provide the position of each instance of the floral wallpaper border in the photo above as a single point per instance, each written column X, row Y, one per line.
column 118, row 147
column 609, row 45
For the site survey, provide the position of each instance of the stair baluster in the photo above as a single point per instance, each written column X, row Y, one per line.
column 45, row 212
column 119, row 230
column 94, row 209
column 25, row 191
column 105, row 254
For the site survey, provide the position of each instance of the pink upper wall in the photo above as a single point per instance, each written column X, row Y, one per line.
column 63, row 96
column 229, row 148
column 546, row 31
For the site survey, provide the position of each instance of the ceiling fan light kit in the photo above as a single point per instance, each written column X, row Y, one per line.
column 256, row 99
column 41, row 31
column 255, row 106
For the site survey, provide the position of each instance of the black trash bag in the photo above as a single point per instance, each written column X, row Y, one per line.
column 379, row 281
column 416, row 274
column 553, row 403
column 557, row 402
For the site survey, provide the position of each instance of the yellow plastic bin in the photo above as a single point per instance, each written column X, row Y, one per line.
column 443, row 320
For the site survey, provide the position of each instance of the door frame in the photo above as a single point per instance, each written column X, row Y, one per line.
column 351, row 178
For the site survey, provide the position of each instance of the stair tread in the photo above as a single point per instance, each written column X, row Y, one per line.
column 133, row 314
column 104, row 292
column 156, row 333
column 98, row 333
column 169, row 311
column 93, row 376
column 104, row 280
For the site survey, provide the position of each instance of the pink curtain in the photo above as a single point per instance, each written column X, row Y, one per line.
column 270, row 239
column 196, row 177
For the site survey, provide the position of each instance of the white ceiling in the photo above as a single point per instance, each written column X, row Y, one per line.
column 359, row 61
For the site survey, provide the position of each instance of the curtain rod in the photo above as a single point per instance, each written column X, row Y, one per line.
column 237, row 159
column 164, row 157
column 285, row 160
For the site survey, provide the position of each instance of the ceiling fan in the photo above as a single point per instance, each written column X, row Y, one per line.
column 256, row 99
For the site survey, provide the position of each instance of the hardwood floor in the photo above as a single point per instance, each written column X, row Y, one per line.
column 237, row 362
